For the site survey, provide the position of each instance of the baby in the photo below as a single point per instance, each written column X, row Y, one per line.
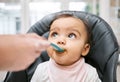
column 73, row 35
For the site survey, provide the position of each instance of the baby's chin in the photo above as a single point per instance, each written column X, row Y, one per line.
column 64, row 64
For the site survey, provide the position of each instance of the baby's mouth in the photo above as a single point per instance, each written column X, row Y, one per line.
column 58, row 52
column 57, row 48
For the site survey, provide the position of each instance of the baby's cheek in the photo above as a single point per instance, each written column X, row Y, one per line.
column 50, row 51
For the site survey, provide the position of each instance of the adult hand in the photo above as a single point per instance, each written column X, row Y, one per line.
column 17, row 52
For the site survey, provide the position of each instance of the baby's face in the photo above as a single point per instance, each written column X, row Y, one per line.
column 70, row 34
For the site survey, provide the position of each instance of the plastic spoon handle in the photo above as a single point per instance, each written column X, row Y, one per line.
column 57, row 48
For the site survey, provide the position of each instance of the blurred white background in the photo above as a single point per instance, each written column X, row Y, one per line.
column 16, row 16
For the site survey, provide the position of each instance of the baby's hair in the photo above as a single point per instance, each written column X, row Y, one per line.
column 89, row 34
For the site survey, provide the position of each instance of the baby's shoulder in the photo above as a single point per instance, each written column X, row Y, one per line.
column 90, row 68
column 41, row 69
column 42, row 65
column 92, row 74
column 40, row 73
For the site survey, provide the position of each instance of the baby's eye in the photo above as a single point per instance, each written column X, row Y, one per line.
column 54, row 34
column 72, row 35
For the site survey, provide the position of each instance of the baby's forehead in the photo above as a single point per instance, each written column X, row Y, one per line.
column 71, row 24
column 69, row 21
column 69, row 17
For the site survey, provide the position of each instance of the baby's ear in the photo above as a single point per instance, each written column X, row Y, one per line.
column 86, row 49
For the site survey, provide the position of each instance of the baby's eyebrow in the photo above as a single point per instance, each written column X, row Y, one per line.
column 75, row 31
column 54, row 29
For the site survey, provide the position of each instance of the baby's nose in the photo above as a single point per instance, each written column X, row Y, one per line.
column 61, row 41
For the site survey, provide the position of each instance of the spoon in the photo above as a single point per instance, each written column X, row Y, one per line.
column 57, row 48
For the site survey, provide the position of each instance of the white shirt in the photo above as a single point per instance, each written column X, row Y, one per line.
column 79, row 72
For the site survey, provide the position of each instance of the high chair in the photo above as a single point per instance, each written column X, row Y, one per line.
column 103, row 55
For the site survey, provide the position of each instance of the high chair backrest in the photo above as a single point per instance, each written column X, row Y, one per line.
column 103, row 54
